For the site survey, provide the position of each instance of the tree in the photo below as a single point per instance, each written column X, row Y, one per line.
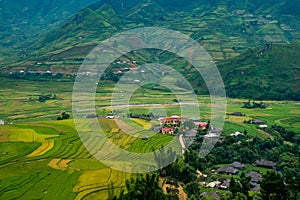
column 143, row 187
column 192, row 189
column 246, row 185
column 234, row 187
column 273, row 187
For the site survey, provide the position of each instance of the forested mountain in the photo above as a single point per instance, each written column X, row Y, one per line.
column 22, row 21
column 232, row 31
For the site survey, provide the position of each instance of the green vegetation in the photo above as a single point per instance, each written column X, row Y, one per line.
column 255, row 45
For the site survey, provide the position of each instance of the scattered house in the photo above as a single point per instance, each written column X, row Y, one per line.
column 214, row 195
column 256, row 188
column 213, row 184
column 265, row 164
column 174, row 121
column 145, row 138
column 255, row 177
column 257, row 121
column 238, row 165
column 228, row 170
column 91, row 116
column 263, row 126
column 110, row 117
column 136, row 81
column 237, row 114
column 201, row 125
column 2, row 122
column 225, row 184
column 190, row 134
column 211, row 135
column 194, row 119
column 214, row 132
column 168, row 131
column 236, row 134
column 141, row 116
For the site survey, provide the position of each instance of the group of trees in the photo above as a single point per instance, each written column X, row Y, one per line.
column 45, row 97
column 63, row 116
column 141, row 188
column 254, row 104
column 284, row 183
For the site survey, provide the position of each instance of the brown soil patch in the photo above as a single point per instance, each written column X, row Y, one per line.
column 182, row 195
column 124, row 126
column 4, row 136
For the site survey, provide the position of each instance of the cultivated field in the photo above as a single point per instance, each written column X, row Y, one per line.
column 42, row 158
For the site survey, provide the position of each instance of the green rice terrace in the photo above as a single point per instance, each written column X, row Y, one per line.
column 44, row 158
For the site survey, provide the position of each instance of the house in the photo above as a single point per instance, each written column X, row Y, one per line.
column 190, row 134
column 255, row 177
column 211, row 135
column 256, row 188
column 213, row 195
column 228, row 170
column 265, row 164
column 110, row 117
column 225, row 185
column 237, row 165
column 91, row 116
column 145, row 138
column 174, row 121
column 213, row 184
column 168, row 131
column 237, row 114
column 201, row 125
column 263, row 126
column 194, row 119
column 1, row 122
column 236, row 134
column 257, row 121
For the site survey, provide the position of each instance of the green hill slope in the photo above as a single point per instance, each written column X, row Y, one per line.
column 270, row 72
column 225, row 28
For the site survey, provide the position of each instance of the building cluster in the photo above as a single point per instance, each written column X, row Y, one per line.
column 170, row 125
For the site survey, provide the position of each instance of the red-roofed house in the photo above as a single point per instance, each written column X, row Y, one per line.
column 201, row 125
column 174, row 121
column 169, row 131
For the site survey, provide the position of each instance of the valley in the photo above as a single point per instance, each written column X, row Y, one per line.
column 152, row 126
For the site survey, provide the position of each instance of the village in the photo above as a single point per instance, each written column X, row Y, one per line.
column 217, row 179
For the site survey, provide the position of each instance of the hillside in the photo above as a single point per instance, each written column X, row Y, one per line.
column 23, row 21
column 269, row 72
column 227, row 29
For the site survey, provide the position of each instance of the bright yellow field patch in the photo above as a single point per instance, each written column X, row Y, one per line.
column 99, row 180
column 237, row 119
column 54, row 163
column 27, row 135
column 44, row 148
column 61, row 164
column 146, row 125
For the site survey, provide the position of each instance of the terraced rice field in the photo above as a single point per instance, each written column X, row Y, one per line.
column 47, row 160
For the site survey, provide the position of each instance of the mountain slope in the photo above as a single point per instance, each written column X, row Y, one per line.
column 225, row 28
column 271, row 72
column 22, row 21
